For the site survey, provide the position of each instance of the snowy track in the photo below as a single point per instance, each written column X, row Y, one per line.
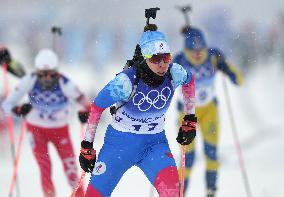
column 258, row 111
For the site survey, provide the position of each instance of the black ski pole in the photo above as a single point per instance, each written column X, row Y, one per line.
column 55, row 30
column 185, row 10
column 237, row 140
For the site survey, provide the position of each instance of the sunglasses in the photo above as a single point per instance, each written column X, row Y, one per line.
column 156, row 59
column 47, row 73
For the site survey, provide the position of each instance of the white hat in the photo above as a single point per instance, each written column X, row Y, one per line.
column 46, row 59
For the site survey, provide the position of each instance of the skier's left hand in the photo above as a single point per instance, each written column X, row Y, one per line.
column 237, row 79
column 23, row 110
column 83, row 116
column 187, row 131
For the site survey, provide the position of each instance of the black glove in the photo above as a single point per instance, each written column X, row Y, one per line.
column 187, row 131
column 83, row 116
column 23, row 110
column 87, row 156
column 12, row 66
column 5, row 56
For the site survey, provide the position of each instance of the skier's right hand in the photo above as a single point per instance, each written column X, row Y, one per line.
column 23, row 110
column 87, row 156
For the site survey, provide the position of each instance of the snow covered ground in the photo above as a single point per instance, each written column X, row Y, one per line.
column 258, row 111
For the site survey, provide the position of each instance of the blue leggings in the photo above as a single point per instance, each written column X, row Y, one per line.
column 122, row 150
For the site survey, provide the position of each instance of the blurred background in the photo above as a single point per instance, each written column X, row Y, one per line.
column 100, row 33
column 99, row 36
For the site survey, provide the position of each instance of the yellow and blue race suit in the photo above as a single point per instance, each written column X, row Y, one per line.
column 206, row 106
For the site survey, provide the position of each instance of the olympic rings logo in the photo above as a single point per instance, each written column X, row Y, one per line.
column 153, row 98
